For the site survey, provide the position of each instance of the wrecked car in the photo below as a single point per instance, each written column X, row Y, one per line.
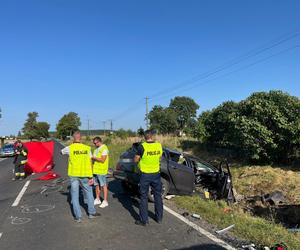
column 180, row 174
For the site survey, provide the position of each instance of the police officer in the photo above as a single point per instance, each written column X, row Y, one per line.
column 148, row 159
column 20, row 160
column 80, row 173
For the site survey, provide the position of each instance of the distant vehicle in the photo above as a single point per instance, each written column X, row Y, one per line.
column 180, row 174
column 7, row 150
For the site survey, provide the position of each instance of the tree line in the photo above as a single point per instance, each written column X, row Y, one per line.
column 33, row 129
column 265, row 127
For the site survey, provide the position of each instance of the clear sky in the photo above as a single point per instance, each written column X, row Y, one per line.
column 99, row 58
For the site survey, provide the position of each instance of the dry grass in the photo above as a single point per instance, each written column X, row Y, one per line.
column 247, row 227
column 258, row 180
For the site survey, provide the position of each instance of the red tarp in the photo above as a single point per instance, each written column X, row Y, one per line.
column 49, row 176
column 40, row 156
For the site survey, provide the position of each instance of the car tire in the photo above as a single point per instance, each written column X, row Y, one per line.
column 165, row 189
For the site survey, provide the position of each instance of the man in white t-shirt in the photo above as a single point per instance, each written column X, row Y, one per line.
column 100, row 169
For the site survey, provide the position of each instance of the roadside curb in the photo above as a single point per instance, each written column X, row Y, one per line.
column 199, row 229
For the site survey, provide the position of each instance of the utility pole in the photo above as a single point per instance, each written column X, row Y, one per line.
column 2, row 138
column 104, row 122
column 88, row 127
column 147, row 111
column 111, row 125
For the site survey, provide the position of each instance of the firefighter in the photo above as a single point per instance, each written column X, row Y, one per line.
column 80, row 173
column 148, row 159
column 20, row 160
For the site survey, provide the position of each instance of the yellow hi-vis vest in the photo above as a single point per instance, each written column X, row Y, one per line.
column 101, row 167
column 150, row 160
column 80, row 164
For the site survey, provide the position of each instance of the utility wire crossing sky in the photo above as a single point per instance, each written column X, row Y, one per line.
column 102, row 59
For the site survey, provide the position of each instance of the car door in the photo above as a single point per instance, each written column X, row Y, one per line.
column 181, row 174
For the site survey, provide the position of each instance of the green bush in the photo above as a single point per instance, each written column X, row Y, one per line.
column 265, row 127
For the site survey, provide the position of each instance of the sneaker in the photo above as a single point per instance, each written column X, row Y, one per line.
column 78, row 220
column 93, row 216
column 97, row 202
column 104, row 204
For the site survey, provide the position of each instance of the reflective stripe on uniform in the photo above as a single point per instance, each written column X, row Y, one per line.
column 23, row 162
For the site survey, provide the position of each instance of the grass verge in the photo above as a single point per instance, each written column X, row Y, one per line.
column 247, row 227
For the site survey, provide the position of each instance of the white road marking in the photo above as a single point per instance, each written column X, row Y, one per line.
column 1, row 235
column 19, row 197
column 2, row 159
column 200, row 229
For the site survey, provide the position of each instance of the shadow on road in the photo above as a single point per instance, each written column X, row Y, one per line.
column 127, row 199
column 81, row 200
column 203, row 247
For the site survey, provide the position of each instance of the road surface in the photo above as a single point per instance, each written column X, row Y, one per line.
column 43, row 219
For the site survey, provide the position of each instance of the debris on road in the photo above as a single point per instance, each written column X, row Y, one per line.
column 185, row 214
column 197, row 216
column 169, row 197
column 49, row 176
column 225, row 229
column 294, row 230
column 275, row 198
column 249, row 247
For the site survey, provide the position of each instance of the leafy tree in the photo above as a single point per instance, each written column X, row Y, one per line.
column 200, row 132
column 42, row 130
column 276, row 116
column 163, row 119
column 185, row 108
column 30, row 125
column 219, row 125
column 265, row 127
column 33, row 129
column 140, row 131
column 67, row 125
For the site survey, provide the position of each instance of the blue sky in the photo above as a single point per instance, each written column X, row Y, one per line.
column 99, row 58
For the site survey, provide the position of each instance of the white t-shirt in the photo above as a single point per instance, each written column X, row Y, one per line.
column 104, row 153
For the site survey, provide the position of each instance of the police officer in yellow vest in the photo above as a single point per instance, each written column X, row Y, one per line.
column 148, row 159
column 80, row 173
column 100, row 169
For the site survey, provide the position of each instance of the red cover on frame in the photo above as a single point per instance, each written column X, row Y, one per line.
column 40, row 156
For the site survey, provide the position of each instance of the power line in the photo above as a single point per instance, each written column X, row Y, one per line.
column 273, row 43
column 147, row 113
column 252, row 53
column 234, row 71
column 125, row 112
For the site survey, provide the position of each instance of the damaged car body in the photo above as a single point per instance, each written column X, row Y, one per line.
column 181, row 174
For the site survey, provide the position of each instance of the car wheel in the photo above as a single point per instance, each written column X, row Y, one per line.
column 165, row 190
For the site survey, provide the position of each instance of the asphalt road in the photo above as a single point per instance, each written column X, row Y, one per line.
column 44, row 220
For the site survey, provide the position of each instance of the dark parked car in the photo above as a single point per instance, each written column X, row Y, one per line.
column 180, row 174
column 7, row 150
